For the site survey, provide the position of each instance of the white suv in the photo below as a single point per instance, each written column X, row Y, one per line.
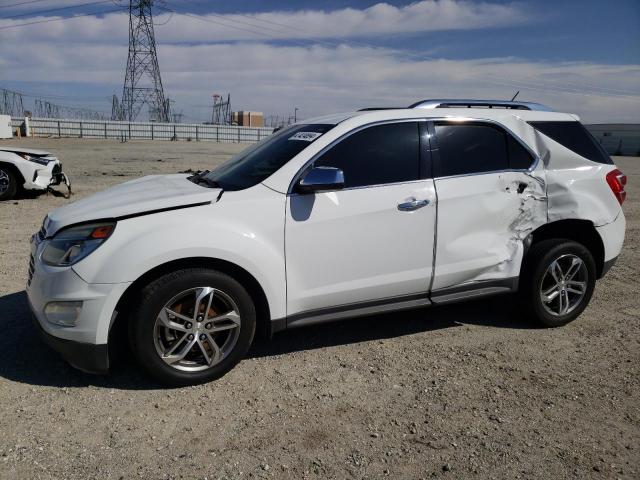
column 336, row 217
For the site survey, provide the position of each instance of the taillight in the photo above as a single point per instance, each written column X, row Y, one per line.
column 617, row 181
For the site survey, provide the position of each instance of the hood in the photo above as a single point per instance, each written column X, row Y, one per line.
column 28, row 151
column 136, row 197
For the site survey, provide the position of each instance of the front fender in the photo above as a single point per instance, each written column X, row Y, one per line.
column 245, row 228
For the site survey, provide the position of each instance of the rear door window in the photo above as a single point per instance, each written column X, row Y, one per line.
column 575, row 137
column 467, row 148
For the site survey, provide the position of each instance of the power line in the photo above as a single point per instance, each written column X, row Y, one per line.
column 62, row 19
column 22, row 3
column 39, row 12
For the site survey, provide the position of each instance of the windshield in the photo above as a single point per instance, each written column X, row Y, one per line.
column 256, row 163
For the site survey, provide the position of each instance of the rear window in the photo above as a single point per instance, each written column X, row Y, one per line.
column 576, row 138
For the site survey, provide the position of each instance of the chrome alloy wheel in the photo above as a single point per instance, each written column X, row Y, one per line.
column 197, row 329
column 564, row 285
column 4, row 181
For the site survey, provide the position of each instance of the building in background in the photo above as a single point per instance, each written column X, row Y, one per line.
column 248, row 119
column 618, row 138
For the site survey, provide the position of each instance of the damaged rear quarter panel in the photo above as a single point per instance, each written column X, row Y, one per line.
column 576, row 187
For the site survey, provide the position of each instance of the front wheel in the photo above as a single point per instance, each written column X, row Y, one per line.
column 8, row 184
column 557, row 282
column 192, row 326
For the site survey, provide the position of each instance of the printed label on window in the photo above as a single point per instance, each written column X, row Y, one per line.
column 305, row 136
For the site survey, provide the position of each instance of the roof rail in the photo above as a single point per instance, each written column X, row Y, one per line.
column 466, row 103
column 370, row 109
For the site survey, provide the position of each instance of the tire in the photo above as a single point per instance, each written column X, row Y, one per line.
column 563, row 302
column 8, row 183
column 165, row 325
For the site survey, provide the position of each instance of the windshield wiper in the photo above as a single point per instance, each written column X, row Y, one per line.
column 201, row 179
column 208, row 182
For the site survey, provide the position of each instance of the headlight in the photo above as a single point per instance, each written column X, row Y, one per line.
column 73, row 244
column 38, row 160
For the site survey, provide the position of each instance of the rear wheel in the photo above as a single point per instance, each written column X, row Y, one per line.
column 192, row 326
column 557, row 281
column 8, row 183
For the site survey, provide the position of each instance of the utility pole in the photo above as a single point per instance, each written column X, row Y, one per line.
column 295, row 114
column 142, row 82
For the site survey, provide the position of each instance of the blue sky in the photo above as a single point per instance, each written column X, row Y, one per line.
column 323, row 56
column 570, row 30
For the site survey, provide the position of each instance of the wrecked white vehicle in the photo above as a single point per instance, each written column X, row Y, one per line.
column 29, row 169
column 340, row 216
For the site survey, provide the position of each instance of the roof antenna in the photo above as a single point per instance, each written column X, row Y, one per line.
column 514, row 97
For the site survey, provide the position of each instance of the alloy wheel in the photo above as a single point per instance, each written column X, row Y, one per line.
column 197, row 329
column 564, row 285
column 5, row 181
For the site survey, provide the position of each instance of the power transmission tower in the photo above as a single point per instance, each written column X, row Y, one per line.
column 142, row 82
column 221, row 114
column 11, row 103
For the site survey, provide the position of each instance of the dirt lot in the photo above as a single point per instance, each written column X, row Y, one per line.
column 467, row 391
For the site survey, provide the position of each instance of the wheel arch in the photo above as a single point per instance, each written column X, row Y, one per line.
column 15, row 170
column 580, row 231
column 118, row 327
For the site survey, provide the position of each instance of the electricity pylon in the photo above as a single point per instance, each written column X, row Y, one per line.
column 142, row 82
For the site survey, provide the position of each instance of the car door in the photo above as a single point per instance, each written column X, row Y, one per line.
column 491, row 195
column 367, row 245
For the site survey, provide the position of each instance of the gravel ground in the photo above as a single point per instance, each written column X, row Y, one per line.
column 465, row 391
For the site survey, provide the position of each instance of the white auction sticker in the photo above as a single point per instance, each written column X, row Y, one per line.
column 305, row 136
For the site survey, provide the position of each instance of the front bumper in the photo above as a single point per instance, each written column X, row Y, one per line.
column 83, row 345
column 83, row 356
column 43, row 177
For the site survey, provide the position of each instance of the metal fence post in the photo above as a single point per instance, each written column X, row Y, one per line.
column 105, row 130
column 197, row 139
column 238, row 135
column 129, row 130
column 80, row 129
column 59, row 135
column 217, row 134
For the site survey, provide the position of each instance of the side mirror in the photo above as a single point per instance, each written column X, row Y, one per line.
column 320, row 179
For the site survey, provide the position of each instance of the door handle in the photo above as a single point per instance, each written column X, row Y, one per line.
column 412, row 204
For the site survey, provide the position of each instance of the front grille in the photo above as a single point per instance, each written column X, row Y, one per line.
column 31, row 268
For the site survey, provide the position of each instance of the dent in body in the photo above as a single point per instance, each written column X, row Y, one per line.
column 483, row 222
column 577, row 188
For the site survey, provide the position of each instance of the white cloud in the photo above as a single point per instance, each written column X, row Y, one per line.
column 379, row 19
column 318, row 78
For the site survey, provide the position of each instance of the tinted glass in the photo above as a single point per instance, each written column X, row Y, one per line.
column 256, row 163
column 470, row 148
column 575, row 137
column 377, row 155
column 519, row 157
